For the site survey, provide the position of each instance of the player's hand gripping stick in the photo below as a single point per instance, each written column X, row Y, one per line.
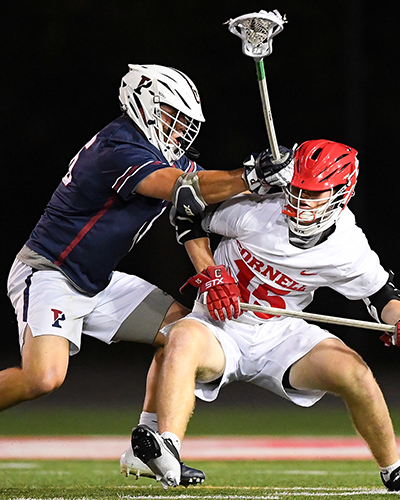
column 264, row 171
column 392, row 338
column 222, row 294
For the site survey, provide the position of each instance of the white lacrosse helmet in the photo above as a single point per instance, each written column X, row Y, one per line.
column 320, row 165
column 142, row 92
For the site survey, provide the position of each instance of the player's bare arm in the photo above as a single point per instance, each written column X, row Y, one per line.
column 218, row 185
column 391, row 312
column 200, row 253
column 215, row 185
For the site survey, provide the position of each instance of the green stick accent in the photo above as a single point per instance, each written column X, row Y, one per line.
column 260, row 70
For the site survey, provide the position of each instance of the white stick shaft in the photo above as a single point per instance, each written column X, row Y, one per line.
column 262, row 83
column 368, row 325
column 268, row 119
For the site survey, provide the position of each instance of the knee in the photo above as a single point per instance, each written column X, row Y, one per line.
column 363, row 380
column 355, row 377
column 185, row 336
column 44, row 382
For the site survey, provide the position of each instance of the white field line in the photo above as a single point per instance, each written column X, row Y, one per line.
column 273, row 496
column 270, row 493
column 276, row 495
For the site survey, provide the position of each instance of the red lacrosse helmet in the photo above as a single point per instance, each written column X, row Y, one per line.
column 320, row 165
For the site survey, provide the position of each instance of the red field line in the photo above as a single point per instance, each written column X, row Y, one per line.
column 194, row 448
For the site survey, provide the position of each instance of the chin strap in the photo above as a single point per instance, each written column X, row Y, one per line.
column 304, row 242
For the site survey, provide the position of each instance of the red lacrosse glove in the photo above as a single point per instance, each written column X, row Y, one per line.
column 221, row 290
column 392, row 338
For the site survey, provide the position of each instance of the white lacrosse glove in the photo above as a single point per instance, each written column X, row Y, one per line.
column 264, row 171
column 255, row 185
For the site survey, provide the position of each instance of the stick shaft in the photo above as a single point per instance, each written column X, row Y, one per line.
column 262, row 82
column 368, row 325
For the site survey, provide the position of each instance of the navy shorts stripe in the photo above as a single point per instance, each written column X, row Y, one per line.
column 26, row 297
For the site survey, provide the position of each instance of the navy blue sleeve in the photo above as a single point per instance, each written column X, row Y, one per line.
column 187, row 165
column 124, row 167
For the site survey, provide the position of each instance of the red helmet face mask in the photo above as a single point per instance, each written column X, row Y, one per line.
column 320, row 166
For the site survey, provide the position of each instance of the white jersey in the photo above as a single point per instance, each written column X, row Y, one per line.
column 274, row 273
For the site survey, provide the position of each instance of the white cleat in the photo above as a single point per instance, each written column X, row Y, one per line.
column 159, row 454
column 129, row 464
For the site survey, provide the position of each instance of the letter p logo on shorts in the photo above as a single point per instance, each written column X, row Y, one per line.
column 58, row 316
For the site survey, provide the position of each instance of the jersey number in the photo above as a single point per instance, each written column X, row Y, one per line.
column 264, row 292
column 68, row 176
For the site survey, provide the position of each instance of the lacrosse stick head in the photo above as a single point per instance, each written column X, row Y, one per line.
column 256, row 31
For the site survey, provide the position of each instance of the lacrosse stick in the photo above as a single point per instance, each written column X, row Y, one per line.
column 257, row 31
column 369, row 325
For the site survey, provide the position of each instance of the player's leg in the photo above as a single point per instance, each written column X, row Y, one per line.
column 48, row 313
column 131, row 464
column 134, row 310
column 332, row 366
column 191, row 352
column 175, row 312
column 143, row 310
column 43, row 369
column 152, row 379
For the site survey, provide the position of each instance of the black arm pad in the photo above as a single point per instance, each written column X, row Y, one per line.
column 186, row 227
column 189, row 228
column 382, row 297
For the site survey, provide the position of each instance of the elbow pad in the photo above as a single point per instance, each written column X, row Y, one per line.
column 186, row 195
column 376, row 302
column 186, row 228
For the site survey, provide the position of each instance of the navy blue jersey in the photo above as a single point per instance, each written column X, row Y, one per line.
column 94, row 216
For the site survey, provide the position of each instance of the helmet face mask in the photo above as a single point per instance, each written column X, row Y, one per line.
column 308, row 215
column 322, row 185
column 165, row 105
column 176, row 131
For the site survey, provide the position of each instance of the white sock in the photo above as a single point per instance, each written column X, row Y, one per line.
column 174, row 438
column 149, row 419
column 386, row 471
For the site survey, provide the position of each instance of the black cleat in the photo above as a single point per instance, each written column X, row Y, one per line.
column 190, row 476
column 144, row 445
column 161, row 456
column 392, row 482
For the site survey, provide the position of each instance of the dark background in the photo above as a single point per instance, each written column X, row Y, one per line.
column 333, row 74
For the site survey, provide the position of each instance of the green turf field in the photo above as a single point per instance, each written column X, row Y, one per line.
column 101, row 480
column 256, row 480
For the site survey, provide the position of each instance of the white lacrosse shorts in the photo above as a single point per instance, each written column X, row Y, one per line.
column 260, row 354
column 48, row 302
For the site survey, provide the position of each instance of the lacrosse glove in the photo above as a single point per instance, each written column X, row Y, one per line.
column 220, row 292
column 264, row 171
column 392, row 338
